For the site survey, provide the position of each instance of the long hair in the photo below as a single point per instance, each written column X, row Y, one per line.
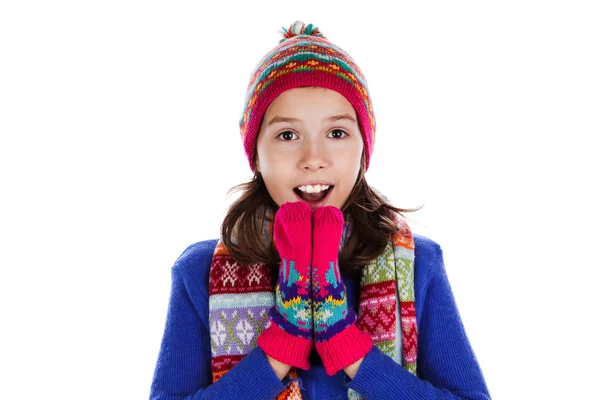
column 373, row 224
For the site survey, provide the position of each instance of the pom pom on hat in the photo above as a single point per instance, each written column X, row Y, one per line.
column 299, row 28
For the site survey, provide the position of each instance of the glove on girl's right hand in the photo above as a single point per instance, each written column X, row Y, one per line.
column 289, row 336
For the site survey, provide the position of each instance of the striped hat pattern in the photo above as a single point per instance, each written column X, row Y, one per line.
column 304, row 57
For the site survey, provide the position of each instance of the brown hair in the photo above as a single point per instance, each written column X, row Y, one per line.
column 372, row 224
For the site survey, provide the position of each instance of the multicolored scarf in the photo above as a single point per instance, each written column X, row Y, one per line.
column 240, row 297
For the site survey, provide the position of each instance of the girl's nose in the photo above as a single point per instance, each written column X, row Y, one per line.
column 313, row 155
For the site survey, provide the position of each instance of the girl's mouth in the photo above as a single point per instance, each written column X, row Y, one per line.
column 314, row 200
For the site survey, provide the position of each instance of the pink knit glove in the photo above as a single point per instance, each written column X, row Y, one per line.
column 289, row 336
column 337, row 339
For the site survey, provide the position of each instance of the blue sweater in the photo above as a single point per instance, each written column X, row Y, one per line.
column 446, row 364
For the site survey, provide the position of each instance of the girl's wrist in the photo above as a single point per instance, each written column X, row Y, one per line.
column 352, row 369
column 280, row 369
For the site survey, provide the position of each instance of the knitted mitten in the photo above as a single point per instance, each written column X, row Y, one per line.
column 289, row 335
column 337, row 339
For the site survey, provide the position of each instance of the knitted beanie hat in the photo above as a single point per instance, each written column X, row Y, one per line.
column 304, row 57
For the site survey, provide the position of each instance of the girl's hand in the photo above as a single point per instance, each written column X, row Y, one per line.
column 289, row 336
column 337, row 339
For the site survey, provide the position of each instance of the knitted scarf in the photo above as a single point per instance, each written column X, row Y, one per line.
column 240, row 297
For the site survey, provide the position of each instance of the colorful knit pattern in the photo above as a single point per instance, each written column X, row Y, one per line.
column 389, row 276
column 292, row 301
column 337, row 339
column 241, row 295
column 330, row 306
column 289, row 337
column 239, row 301
column 305, row 57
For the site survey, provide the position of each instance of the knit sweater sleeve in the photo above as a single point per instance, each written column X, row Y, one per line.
column 446, row 364
column 183, row 369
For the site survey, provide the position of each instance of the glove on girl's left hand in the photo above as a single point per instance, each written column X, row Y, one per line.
column 337, row 339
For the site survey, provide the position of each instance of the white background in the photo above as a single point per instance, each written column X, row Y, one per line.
column 119, row 140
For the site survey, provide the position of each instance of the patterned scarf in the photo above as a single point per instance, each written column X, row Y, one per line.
column 240, row 297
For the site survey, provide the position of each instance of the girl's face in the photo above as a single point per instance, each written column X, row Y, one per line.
column 309, row 136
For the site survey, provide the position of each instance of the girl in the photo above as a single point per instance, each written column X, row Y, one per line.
column 317, row 289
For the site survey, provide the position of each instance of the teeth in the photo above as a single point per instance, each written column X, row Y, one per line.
column 313, row 189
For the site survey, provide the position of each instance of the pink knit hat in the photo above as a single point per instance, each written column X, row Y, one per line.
column 304, row 57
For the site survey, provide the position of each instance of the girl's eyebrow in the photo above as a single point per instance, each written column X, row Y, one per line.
column 279, row 118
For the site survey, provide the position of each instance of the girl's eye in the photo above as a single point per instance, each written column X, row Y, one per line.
column 339, row 130
column 288, row 133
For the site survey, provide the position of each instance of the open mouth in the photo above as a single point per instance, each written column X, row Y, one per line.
column 314, row 199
